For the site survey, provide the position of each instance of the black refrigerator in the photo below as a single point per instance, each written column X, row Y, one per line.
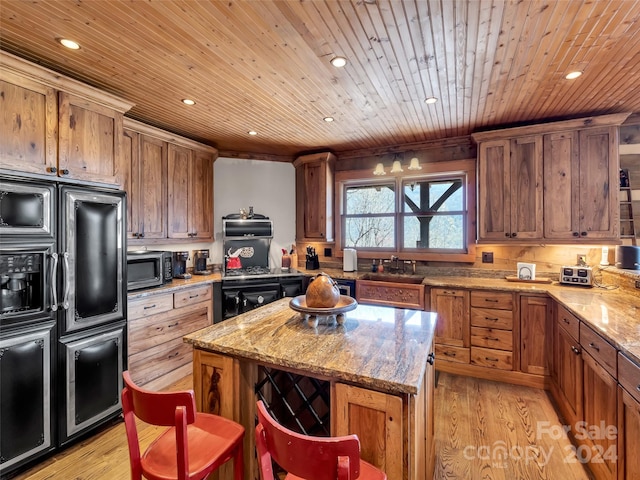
column 62, row 314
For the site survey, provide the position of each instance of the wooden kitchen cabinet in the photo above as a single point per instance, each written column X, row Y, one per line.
column 157, row 323
column 492, row 333
column 146, row 183
column 510, row 189
column 58, row 126
column 581, row 184
column 90, row 140
column 628, row 419
column 599, row 404
column 556, row 181
column 396, row 434
column 536, row 316
column 190, row 193
column 567, row 366
column 453, row 332
column 30, row 113
column 391, row 294
column 314, row 197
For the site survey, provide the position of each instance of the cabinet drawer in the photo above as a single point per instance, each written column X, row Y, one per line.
column 452, row 354
column 192, row 295
column 568, row 321
column 148, row 332
column 491, row 318
column 629, row 376
column 492, row 338
column 159, row 360
column 487, row 357
column 602, row 351
column 147, row 306
column 499, row 300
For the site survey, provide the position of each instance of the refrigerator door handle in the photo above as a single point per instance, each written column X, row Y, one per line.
column 67, row 281
column 52, row 281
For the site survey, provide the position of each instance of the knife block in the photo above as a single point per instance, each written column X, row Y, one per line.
column 313, row 264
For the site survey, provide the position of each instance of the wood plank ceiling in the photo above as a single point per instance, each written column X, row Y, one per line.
column 263, row 65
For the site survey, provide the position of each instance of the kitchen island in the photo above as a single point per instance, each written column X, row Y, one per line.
column 375, row 373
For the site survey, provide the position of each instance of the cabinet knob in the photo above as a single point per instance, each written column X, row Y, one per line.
column 64, row 171
column 576, row 234
column 136, row 235
column 141, row 235
column 514, row 235
column 507, row 234
column 431, row 358
column 575, row 350
column 583, row 234
column 53, row 169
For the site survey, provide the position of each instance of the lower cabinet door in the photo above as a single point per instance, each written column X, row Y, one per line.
column 26, row 422
column 377, row 419
column 628, row 435
column 91, row 378
column 598, row 445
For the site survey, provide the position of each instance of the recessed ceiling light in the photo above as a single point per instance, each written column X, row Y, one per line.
column 572, row 75
column 338, row 62
column 252, row 132
column 188, row 101
column 69, row 43
column 328, row 119
column 430, row 100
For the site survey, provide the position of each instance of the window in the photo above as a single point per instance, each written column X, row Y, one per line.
column 428, row 216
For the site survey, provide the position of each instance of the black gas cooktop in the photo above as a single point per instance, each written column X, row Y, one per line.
column 258, row 272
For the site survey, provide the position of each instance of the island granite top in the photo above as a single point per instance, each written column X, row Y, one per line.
column 380, row 348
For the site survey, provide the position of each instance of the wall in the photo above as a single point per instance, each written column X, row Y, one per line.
column 270, row 187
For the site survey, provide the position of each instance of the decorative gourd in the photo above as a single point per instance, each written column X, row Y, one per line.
column 322, row 292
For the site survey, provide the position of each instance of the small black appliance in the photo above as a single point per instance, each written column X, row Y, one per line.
column 200, row 262
column 180, row 265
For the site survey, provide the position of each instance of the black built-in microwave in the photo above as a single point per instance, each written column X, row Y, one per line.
column 148, row 269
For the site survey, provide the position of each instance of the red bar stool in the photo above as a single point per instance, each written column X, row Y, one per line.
column 309, row 458
column 195, row 444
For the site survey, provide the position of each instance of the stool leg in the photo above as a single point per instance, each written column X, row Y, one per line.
column 238, row 463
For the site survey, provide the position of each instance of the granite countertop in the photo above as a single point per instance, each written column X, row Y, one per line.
column 381, row 348
column 176, row 285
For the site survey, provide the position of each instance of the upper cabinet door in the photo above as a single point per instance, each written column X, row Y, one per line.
column 90, row 140
column 29, row 122
column 201, row 209
column 180, row 159
column 494, row 194
column 314, row 197
column 526, row 187
column 152, row 188
column 561, row 185
column 599, row 183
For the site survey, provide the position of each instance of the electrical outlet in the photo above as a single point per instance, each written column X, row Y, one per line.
column 581, row 259
column 487, row 257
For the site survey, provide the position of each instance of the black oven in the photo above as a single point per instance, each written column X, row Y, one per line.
column 148, row 269
column 248, row 282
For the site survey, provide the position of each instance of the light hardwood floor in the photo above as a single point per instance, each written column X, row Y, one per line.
column 494, row 431
column 484, row 430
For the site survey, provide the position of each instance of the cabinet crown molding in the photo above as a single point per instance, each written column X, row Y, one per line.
column 19, row 66
column 615, row 119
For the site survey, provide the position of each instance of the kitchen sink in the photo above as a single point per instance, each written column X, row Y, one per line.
column 393, row 278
